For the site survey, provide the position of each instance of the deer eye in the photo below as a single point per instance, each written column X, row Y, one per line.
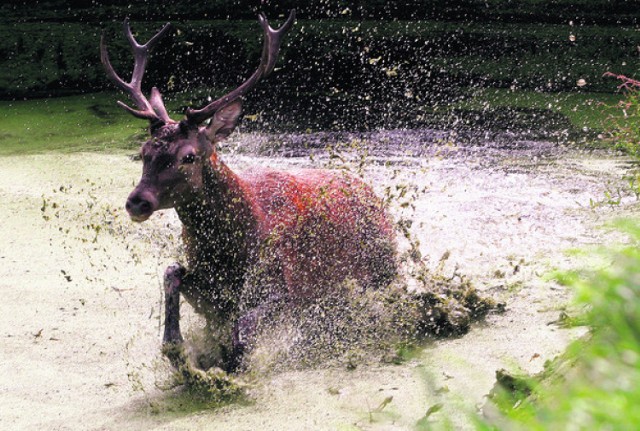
column 188, row 159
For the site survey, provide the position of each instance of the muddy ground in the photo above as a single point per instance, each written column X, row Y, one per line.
column 81, row 297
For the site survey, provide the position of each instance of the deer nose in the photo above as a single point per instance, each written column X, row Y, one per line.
column 139, row 207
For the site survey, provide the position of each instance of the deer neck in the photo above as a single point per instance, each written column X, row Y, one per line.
column 219, row 223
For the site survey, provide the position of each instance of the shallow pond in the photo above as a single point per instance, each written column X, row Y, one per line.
column 80, row 316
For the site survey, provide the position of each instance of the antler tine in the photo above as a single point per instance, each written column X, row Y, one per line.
column 153, row 111
column 273, row 40
column 270, row 49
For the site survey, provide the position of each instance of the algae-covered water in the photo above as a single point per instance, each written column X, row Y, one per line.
column 80, row 318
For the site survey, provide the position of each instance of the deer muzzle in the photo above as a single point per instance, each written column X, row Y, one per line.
column 141, row 203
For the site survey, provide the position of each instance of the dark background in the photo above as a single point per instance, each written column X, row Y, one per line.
column 352, row 64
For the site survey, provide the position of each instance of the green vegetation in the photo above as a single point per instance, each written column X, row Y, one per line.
column 345, row 65
column 624, row 119
column 93, row 122
column 584, row 11
column 214, row 386
column 596, row 383
column 584, row 111
column 367, row 67
column 79, row 123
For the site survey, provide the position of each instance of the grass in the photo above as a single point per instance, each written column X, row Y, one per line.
column 78, row 123
column 585, row 111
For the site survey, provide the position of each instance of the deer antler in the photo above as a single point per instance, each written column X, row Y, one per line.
column 154, row 109
column 270, row 48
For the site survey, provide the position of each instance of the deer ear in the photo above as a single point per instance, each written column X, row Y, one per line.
column 224, row 121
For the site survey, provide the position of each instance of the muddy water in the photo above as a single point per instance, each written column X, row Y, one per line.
column 79, row 320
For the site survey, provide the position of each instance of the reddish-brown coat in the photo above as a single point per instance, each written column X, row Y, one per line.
column 325, row 226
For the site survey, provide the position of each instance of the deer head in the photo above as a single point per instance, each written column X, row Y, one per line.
column 177, row 153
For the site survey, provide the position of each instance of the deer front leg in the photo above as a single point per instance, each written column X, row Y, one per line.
column 173, row 279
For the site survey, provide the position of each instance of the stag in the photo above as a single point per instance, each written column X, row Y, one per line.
column 255, row 240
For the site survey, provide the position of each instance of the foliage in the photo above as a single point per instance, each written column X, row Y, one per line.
column 551, row 111
column 596, row 383
column 345, row 65
column 213, row 385
column 625, row 129
column 332, row 58
column 584, row 11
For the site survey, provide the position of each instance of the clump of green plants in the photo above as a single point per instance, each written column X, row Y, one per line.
column 596, row 383
column 625, row 129
column 214, row 384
